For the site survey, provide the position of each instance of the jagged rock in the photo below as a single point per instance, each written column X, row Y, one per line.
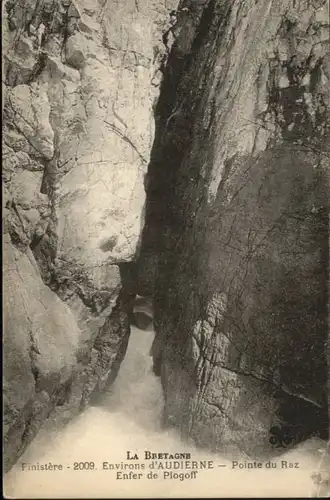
column 77, row 49
column 237, row 223
column 28, row 112
column 40, row 344
column 25, row 189
column 236, row 237
column 78, row 129
column 19, row 65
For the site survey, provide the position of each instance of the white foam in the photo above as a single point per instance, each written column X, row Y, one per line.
column 129, row 418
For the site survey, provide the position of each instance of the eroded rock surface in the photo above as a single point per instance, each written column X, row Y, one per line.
column 237, row 222
column 235, row 247
column 81, row 79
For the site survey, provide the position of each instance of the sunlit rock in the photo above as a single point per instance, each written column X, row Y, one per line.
column 78, row 130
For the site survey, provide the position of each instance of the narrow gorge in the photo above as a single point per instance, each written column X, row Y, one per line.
column 175, row 153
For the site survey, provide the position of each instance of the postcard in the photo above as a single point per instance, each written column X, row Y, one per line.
column 166, row 187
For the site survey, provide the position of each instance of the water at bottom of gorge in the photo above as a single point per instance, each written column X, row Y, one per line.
column 92, row 451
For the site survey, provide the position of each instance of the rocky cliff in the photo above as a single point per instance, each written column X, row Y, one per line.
column 233, row 241
column 237, row 223
column 81, row 79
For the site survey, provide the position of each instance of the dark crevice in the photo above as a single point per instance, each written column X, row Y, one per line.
column 175, row 224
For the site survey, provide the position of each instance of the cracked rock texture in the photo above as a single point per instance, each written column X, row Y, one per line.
column 81, row 79
column 235, row 245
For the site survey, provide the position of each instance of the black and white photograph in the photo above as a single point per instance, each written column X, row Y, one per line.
column 166, row 236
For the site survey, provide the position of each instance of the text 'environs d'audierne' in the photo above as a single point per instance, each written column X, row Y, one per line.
column 156, row 465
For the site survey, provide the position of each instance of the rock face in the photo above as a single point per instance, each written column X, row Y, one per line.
column 235, row 245
column 81, row 78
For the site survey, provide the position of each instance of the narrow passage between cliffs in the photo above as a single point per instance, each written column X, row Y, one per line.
column 128, row 418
